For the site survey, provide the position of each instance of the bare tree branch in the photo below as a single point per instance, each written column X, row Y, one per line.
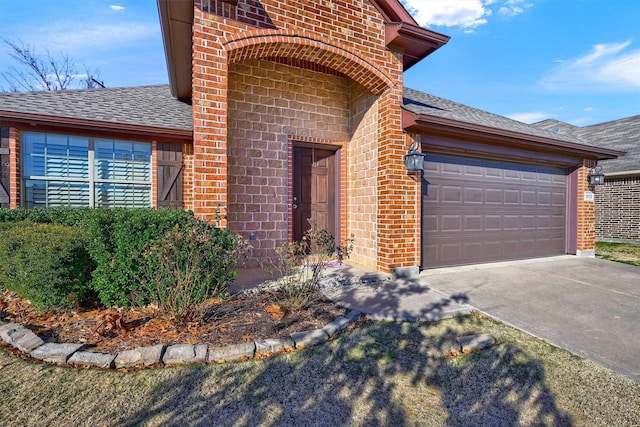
column 48, row 74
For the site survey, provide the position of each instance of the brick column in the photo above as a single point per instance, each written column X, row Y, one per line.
column 14, row 168
column 586, row 223
column 209, row 119
column 398, row 192
column 154, row 174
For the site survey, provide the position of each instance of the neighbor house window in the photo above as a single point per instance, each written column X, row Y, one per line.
column 71, row 171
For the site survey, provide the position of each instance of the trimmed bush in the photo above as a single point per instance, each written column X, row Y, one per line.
column 45, row 263
column 60, row 216
column 187, row 265
column 118, row 240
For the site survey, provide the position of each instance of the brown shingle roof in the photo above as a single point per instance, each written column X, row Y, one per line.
column 622, row 135
column 152, row 106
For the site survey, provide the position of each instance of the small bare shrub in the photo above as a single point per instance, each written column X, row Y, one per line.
column 300, row 265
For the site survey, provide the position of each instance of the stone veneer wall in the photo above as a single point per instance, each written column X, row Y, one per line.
column 618, row 209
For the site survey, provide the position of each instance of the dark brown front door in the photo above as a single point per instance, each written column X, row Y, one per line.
column 313, row 190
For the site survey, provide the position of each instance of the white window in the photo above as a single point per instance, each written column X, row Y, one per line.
column 71, row 171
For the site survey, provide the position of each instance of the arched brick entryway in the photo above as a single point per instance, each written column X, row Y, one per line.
column 283, row 44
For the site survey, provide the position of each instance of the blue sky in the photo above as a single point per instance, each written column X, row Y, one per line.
column 573, row 60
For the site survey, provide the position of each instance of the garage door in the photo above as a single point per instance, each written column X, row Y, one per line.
column 478, row 210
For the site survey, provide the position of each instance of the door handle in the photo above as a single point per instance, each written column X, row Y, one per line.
column 294, row 206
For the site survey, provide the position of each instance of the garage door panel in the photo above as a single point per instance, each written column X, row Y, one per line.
column 493, row 222
column 473, row 222
column 510, row 222
column 512, row 197
column 528, row 197
column 451, row 194
column 486, row 210
column 451, row 223
column 473, row 194
column 544, row 198
column 493, row 196
column 450, row 251
column 559, row 199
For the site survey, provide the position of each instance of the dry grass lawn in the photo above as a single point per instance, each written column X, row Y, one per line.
column 379, row 374
column 627, row 253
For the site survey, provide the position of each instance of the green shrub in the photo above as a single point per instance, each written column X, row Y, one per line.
column 47, row 264
column 118, row 240
column 60, row 216
column 186, row 266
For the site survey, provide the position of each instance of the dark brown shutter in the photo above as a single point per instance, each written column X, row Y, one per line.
column 4, row 167
column 169, row 175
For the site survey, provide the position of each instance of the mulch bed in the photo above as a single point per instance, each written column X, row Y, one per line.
column 238, row 319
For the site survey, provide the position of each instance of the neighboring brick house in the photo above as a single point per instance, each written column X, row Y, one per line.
column 296, row 110
column 618, row 200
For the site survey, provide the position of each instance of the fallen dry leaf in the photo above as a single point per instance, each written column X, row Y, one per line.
column 276, row 311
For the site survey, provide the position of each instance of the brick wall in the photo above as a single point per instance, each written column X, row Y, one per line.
column 14, row 167
column 271, row 104
column 5, row 171
column 618, row 209
column 586, row 228
column 346, row 35
column 187, row 175
column 398, row 191
column 362, row 172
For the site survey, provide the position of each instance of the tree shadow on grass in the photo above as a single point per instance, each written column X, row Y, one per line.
column 383, row 373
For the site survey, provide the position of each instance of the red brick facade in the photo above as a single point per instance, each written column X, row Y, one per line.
column 266, row 74
column 269, row 76
column 14, row 167
column 617, row 209
column 586, row 212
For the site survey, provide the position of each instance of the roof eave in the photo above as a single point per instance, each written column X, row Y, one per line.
column 31, row 119
column 418, row 123
column 393, row 11
column 415, row 42
column 622, row 174
column 176, row 23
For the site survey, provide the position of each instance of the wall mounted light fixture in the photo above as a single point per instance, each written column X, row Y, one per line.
column 596, row 177
column 414, row 160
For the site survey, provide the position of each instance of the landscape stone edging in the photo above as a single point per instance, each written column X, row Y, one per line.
column 23, row 339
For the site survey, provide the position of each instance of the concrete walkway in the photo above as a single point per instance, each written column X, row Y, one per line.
column 588, row 306
column 387, row 298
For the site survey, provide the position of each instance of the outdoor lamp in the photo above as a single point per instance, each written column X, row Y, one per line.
column 414, row 160
column 596, row 177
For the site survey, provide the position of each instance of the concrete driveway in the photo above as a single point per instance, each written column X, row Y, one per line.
column 588, row 306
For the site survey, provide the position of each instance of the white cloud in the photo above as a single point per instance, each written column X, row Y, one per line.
column 69, row 37
column 588, row 109
column 530, row 117
column 513, row 7
column 448, row 13
column 116, row 7
column 461, row 13
column 608, row 67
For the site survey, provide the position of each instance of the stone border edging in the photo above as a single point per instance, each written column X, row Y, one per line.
column 23, row 339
